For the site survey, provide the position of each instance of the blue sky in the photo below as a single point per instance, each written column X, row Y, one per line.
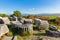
column 30, row 6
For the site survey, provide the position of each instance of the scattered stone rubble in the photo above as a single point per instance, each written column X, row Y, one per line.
column 53, row 31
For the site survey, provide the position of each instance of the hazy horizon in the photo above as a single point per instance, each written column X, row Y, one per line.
column 30, row 6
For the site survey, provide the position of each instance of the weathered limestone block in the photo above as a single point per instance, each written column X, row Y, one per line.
column 52, row 33
column 53, row 28
column 13, row 18
column 21, row 20
column 16, row 24
column 5, row 20
column 41, row 24
column 3, row 29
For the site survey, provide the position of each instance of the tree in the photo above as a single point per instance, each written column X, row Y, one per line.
column 16, row 13
column 3, row 15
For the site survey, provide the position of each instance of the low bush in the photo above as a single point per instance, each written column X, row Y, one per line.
column 27, row 33
column 19, row 38
column 9, row 34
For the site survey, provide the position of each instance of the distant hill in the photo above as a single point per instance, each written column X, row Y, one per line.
column 48, row 14
column 25, row 14
column 42, row 14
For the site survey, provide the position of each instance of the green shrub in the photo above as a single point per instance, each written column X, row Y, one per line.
column 27, row 33
column 9, row 34
column 19, row 38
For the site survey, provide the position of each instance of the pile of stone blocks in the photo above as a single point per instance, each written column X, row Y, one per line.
column 23, row 24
